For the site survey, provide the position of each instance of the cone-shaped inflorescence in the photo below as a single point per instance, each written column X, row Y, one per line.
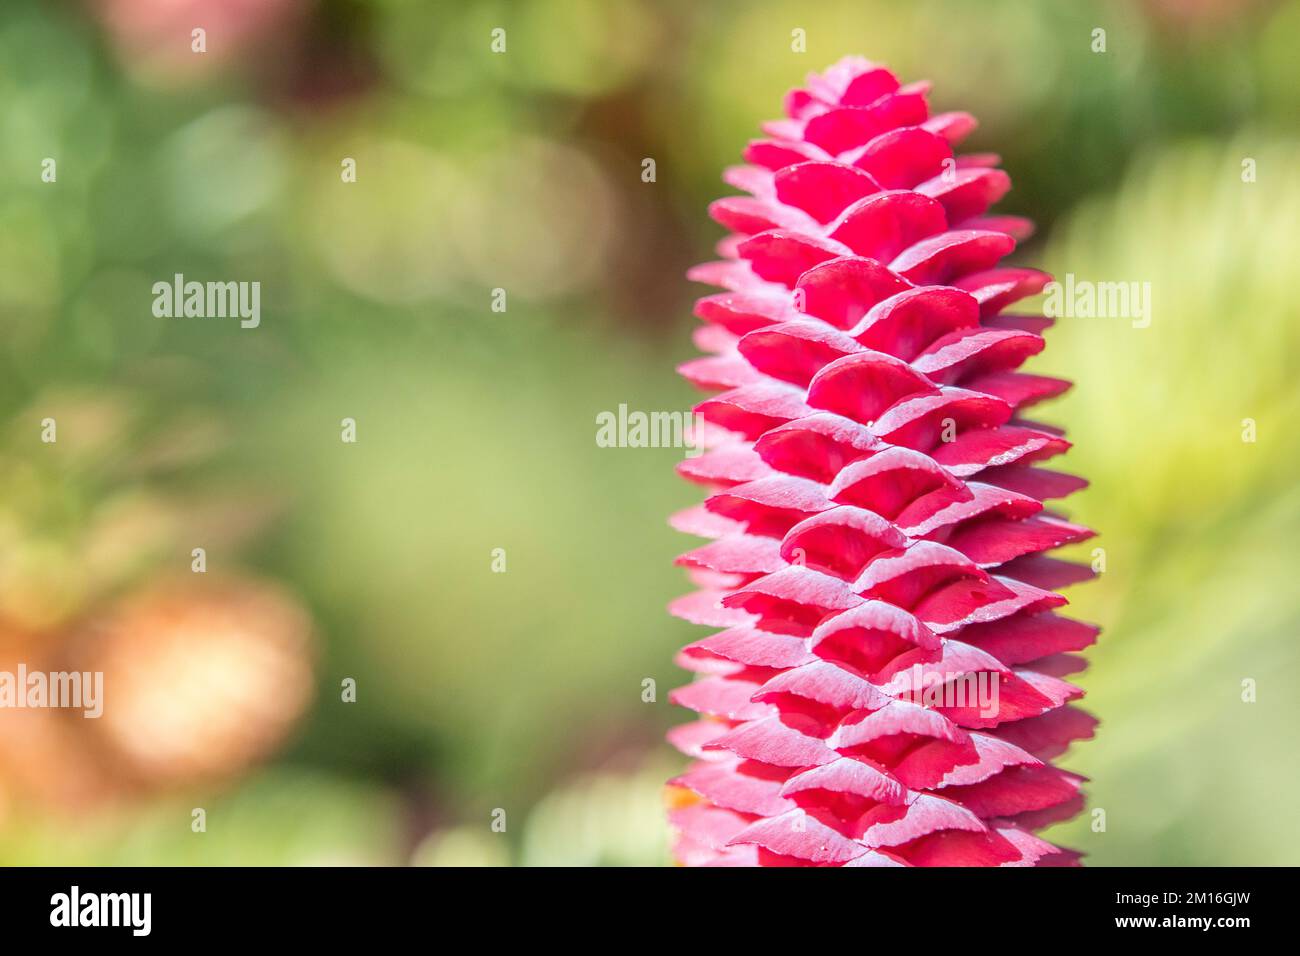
column 885, row 684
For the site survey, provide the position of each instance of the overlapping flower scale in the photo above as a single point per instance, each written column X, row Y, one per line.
column 878, row 525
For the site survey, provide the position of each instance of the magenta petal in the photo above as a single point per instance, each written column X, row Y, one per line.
column 741, row 312
column 863, row 385
column 782, row 255
column 843, row 128
column 840, row 540
column 816, row 446
column 879, row 227
column 799, row 834
column 843, row 290
column 740, row 785
column 995, row 289
column 775, row 155
column 890, row 481
column 966, row 192
column 951, row 254
column 902, row 158
column 824, row 682
column 925, row 814
column 905, row 324
column 754, row 647
column 849, row 775
column 771, row 740
column 954, row 127
column 795, row 351
column 822, row 189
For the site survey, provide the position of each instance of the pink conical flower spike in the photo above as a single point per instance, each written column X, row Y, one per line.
column 885, row 686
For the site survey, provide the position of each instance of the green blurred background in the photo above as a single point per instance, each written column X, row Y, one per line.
column 480, row 692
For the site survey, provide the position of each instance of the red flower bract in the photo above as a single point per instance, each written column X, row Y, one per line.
column 887, row 685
